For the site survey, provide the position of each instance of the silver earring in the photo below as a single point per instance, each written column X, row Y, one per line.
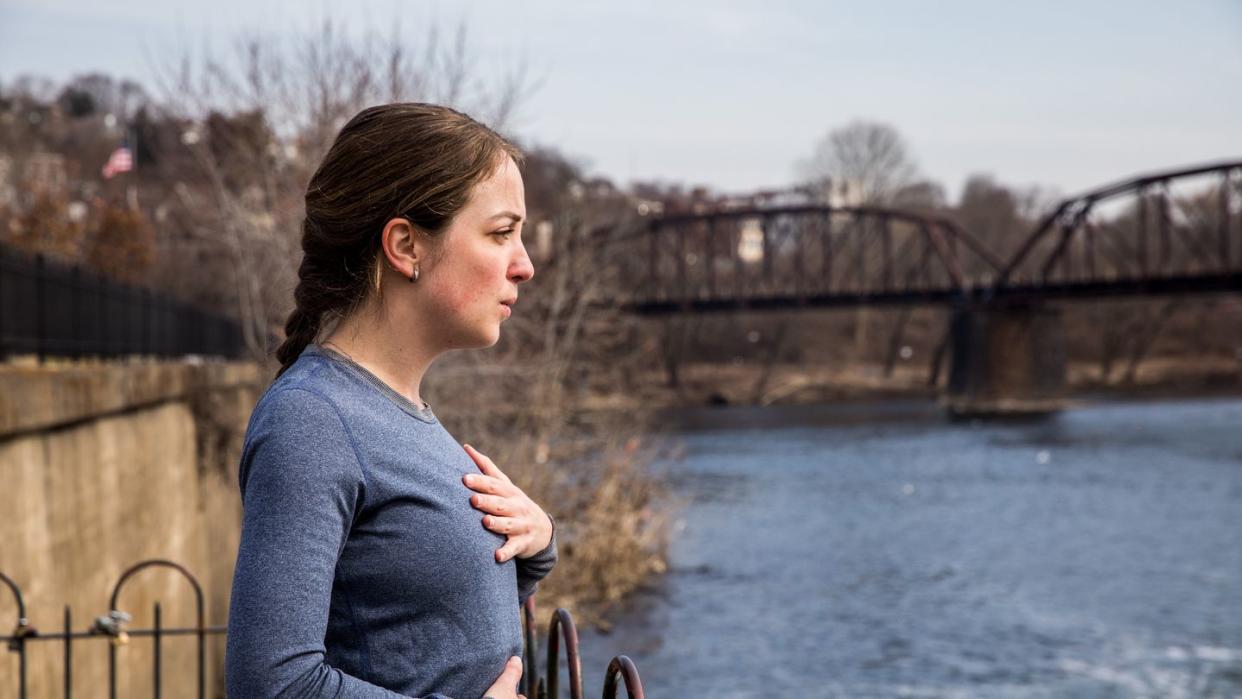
column 414, row 276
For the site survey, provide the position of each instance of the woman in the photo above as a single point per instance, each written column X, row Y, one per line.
column 365, row 568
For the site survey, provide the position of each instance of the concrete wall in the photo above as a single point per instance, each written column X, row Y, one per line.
column 105, row 465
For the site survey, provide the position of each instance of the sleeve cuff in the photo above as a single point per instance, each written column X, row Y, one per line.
column 548, row 551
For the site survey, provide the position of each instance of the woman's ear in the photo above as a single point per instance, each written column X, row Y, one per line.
column 403, row 246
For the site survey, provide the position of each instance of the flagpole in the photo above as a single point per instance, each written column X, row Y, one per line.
column 132, row 142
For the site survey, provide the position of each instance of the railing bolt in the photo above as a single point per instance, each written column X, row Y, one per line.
column 23, row 631
column 113, row 625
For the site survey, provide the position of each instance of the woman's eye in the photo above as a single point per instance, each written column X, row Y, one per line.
column 505, row 233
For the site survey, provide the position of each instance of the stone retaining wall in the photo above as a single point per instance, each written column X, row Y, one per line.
column 103, row 465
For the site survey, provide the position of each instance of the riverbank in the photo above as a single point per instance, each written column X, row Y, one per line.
column 714, row 384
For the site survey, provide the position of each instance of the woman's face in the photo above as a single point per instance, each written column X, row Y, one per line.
column 474, row 279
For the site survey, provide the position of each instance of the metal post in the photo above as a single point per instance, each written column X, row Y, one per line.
column 1142, row 231
column 764, row 222
column 652, row 260
column 1089, row 234
column 75, row 303
column 800, row 238
column 148, row 345
column 40, row 307
column 952, row 240
column 711, row 257
column 1223, row 224
column 1067, row 264
column 111, row 669
column 860, row 260
column 202, row 654
column 68, row 653
column 886, row 247
column 530, row 660
column 23, row 629
column 826, row 237
column 1162, row 206
column 156, row 664
column 683, row 283
column 739, row 287
column 21, row 669
column 101, row 323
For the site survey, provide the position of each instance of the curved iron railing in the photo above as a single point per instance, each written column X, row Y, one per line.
column 564, row 622
column 115, row 616
column 21, row 631
column 622, row 666
column 113, row 626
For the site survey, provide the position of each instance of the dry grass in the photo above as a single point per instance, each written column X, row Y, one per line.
column 612, row 519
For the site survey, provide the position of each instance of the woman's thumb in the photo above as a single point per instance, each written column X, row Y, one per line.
column 513, row 668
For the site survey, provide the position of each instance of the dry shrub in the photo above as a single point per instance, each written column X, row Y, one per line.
column 615, row 533
column 612, row 512
column 45, row 227
column 122, row 244
column 596, row 478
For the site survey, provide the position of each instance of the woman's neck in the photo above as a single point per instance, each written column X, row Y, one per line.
column 396, row 358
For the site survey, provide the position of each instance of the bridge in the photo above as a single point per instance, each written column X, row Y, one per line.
column 1166, row 233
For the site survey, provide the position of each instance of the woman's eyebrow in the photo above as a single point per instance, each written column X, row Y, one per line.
column 507, row 214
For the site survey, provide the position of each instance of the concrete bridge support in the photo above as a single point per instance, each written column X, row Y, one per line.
column 1006, row 360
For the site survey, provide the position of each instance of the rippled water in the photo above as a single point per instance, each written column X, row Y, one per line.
column 886, row 552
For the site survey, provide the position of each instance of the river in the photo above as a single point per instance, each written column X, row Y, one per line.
column 883, row 551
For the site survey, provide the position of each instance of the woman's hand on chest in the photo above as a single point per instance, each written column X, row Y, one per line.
column 507, row 510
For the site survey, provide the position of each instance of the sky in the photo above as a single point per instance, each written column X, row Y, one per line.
column 732, row 95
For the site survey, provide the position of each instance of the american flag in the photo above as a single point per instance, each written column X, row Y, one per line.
column 121, row 160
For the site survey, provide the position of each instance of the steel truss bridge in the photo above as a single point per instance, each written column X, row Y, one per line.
column 1173, row 232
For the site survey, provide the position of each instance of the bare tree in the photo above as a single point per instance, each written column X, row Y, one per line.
column 866, row 157
column 868, row 163
column 97, row 92
column 991, row 211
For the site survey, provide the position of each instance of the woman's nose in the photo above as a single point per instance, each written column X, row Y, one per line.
column 521, row 269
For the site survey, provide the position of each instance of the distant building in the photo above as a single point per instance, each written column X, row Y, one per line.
column 45, row 172
column 837, row 193
column 8, row 194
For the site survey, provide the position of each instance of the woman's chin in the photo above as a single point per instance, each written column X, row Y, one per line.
column 488, row 339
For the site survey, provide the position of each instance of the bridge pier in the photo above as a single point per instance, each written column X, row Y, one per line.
column 1006, row 360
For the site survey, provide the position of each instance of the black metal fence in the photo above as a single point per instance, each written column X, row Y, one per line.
column 113, row 627
column 51, row 309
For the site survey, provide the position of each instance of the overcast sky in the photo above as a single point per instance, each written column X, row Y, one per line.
column 1066, row 95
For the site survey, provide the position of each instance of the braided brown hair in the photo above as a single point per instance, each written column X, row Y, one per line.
column 410, row 160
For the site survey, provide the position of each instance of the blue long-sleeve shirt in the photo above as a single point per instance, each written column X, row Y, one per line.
column 363, row 570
